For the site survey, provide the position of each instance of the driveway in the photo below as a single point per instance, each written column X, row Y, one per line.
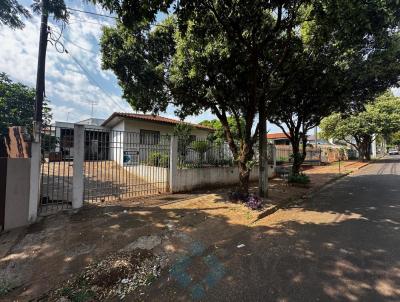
column 343, row 245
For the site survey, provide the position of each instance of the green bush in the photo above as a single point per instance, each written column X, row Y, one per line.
column 200, row 147
column 299, row 179
column 158, row 159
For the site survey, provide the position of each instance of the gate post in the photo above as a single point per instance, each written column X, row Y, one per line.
column 173, row 163
column 34, row 188
column 78, row 174
column 274, row 158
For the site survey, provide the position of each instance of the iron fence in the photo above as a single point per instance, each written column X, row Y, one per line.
column 56, row 168
column 124, row 164
column 270, row 153
column 284, row 154
column 203, row 153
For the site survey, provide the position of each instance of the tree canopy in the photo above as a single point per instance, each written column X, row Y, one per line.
column 17, row 104
column 382, row 117
column 218, row 135
column 12, row 13
column 227, row 56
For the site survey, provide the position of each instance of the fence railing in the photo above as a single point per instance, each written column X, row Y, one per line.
column 284, row 154
column 203, row 153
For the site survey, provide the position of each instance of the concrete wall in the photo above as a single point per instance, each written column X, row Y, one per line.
column 189, row 179
column 150, row 175
column 164, row 129
column 17, row 193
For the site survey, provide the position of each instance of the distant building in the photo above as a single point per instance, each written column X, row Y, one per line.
column 278, row 138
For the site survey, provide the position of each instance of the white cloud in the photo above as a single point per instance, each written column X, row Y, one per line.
column 68, row 87
column 70, row 90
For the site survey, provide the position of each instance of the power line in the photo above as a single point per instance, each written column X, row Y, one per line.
column 95, row 21
column 94, row 81
column 69, row 41
column 91, row 13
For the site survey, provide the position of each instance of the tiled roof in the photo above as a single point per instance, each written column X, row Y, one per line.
column 276, row 136
column 153, row 118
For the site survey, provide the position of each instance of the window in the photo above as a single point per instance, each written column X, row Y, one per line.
column 148, row 137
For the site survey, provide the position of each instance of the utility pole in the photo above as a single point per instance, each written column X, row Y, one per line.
column 315, row 136
column 41, row 67
column 263, row 154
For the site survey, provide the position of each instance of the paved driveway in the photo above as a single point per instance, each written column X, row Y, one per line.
column 343, row 245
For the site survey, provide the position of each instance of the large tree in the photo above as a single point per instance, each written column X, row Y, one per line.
column 211, row 55
column 331, row 70
column 17, row 104
column 223, row 56
column 382, row 117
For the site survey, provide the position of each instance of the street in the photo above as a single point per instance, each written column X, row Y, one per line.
column 342, row 245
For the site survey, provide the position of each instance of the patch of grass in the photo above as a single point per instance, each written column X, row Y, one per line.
column 249, row 216
column 81, row 295
column 299, row 179
column 150, row 279
column 5, row 287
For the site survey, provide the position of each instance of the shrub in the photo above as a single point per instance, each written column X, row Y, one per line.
column 300, row 178
column 251, row 201
column 238, row 196
column 254, row 202
column 200, row 147
column 158, row 159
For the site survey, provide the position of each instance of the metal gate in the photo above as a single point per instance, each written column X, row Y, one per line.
column 120, row 164
column 56, row 169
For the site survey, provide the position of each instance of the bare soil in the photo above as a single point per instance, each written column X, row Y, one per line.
column 59, row 247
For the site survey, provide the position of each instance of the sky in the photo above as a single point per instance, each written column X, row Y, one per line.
column 75, row 82
column 76, row 85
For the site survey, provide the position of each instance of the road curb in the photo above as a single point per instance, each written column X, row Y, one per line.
column 271, row 210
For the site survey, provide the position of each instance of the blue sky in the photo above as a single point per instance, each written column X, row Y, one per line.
column 72, row 92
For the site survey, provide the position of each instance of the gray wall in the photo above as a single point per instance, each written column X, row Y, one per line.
column 17, row 193
column 189, row 179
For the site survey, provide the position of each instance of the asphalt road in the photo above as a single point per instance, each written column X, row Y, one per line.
column 342, row 245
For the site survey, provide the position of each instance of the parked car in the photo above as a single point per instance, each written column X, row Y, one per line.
column 393, row 152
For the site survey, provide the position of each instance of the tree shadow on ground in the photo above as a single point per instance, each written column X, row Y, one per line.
column 332, row 249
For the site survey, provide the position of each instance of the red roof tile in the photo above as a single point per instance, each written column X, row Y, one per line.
column 153, row 118
column 276, row 136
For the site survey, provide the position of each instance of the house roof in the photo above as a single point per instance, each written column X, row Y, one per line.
column 276, row 136
column 152, row 118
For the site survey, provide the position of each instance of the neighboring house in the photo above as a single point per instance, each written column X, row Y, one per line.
column 64, row 131
column 320, row 142
column 278, row 139
column 123, row 136
column 281, row 139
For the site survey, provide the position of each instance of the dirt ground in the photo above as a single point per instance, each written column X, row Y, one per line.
column 41, row 257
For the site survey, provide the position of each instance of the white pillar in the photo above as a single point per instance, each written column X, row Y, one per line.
column 373, row 146
column 274, row 159
column 34, row 189
column 173, row 164
column 77, row 176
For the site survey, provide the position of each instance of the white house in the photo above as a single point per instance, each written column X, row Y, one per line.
column 123, row 137
column 135, row 136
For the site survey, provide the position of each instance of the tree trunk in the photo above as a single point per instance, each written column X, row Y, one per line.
column 244, row 177
column 245, row 156
column 263, row 156
column 364, row 147
column 298, row 157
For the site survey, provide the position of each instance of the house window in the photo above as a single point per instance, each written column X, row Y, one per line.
column 148, row 137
